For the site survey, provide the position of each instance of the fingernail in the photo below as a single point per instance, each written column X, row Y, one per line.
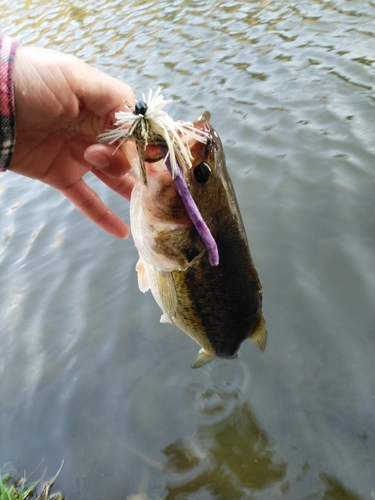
column 97, row 159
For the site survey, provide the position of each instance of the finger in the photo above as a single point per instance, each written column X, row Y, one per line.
column 123, row 186
column 90, row 205
column 101, row 93
column 108, row 158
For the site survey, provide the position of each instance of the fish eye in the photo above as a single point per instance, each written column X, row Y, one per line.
column 202, row 173
column 140, row 108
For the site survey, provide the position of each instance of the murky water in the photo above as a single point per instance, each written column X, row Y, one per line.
column 88, row 374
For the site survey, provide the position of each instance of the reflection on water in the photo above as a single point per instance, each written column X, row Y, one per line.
column 239, row 463
column 239, row 457
column 232, row 458
column 88, row 374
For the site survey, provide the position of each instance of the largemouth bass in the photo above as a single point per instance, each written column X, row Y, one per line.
column 218, row 306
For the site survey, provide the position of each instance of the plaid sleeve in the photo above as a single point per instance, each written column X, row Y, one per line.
column 7, row 119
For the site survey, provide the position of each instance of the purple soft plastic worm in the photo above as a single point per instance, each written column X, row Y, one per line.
column 192, row 210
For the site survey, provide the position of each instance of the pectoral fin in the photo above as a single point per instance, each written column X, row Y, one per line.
column 259, row 334
column 202, row 358
column 181, row 246
column 143, row 281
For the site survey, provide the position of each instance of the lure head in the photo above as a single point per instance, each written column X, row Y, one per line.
column 140, row 108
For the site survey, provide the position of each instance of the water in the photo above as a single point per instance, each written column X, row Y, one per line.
column 88, row 374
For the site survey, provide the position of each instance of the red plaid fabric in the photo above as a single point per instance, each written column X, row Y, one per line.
column 7, row 119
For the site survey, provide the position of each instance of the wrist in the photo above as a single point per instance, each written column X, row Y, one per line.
column 7, row 109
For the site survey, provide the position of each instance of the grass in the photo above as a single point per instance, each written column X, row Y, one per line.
column 18, row 489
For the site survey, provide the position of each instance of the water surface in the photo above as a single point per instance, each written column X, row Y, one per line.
column 88, row 374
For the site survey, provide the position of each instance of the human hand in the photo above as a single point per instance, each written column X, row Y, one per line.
column 62, row 104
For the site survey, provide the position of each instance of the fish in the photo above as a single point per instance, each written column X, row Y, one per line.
column 218, row 305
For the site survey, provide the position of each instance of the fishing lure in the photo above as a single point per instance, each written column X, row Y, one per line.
column 147, row 123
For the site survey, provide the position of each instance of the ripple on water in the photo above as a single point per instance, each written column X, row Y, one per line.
column 219, row 389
